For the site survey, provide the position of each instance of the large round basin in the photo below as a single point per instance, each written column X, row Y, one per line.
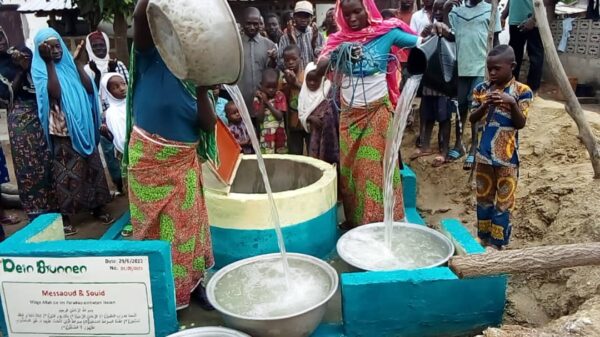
column 209, row 332
column 300, row 321
column 412, row 247
column 305, row 192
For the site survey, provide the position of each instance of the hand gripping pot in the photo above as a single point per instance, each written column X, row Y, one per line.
column 198, row 40
column 433, row 57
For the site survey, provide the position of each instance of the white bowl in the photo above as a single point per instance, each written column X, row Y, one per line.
column 209, row 331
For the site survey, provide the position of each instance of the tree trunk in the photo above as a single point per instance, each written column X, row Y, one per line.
column 558, row 73
column 121, row 45
column 526, row 260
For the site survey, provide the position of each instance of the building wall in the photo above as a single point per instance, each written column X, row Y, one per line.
column 582, row 56
column 31, row 23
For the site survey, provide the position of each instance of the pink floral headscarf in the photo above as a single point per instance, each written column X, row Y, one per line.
column 376, row 28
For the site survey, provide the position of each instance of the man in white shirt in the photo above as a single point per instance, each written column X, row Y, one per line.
column 423, row 17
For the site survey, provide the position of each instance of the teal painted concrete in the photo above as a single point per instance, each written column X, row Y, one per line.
column 114, row 232
column 461, row 237
column 31, row 230
column 329, row 330
column 316, row 237
column 413, row 216
column 158, row 252
column 409, row 187
column 409, row 193
column 422, row 303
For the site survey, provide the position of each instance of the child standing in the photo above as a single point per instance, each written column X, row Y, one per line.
column 505, row 104
column 469, row 23
column 218, row 103
column 114, row 92
column 270, row 107
column 293, row 76
column 237, row 127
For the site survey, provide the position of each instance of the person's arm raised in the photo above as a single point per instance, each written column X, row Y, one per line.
column 54, row 90
column 142, row 37
column 79, row 63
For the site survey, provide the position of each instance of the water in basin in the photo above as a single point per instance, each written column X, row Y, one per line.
column 258, row 289
column 411, row 248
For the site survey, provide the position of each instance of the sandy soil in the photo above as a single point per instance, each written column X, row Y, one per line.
column 557, row 203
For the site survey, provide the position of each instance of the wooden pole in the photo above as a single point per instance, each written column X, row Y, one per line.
column 526, row 260
column 558, row 73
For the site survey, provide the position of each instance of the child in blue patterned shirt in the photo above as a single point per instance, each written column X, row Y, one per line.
column 503, row 105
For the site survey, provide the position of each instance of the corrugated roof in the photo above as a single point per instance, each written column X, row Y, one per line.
column 31, row 6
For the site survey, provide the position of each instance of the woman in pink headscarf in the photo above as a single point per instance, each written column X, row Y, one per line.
column 366, row 109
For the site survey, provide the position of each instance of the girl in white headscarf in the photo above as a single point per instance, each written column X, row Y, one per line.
column 113, row 90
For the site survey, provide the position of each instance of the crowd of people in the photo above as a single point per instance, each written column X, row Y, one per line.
column 328, row 92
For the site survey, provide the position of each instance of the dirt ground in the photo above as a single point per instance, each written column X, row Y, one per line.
column 557, row 203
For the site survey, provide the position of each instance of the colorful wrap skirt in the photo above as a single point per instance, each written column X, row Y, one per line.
column 363, row 133
column 79, row 182
column 167, row 203
column 31, row 157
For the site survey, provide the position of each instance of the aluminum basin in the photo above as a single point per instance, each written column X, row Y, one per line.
column 300, row 324
column 209, row 331
column 363, row 261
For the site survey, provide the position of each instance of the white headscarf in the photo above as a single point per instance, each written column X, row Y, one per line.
column 116, row 114
column 309, row 100
column 102, row 63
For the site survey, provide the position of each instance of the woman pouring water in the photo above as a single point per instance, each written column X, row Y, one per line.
column 169, row 120
column 360, row 53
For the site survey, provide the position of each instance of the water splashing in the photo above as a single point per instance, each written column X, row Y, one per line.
column 390, row 159
column 236, row 94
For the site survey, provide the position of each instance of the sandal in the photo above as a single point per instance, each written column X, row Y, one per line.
column 469, row 162
column 439, row 161
column 9, row 220
column 69, row 230
column 455, row 154
column 104, row 216
column 420, row 153
column 127, row 231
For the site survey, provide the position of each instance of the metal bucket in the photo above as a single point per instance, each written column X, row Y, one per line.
column 300, row 324
column 209, row 331
column 198, row 40
column 444, row 243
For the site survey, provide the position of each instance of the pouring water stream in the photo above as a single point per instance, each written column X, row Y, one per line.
column 390, row 159
column 393, row 143
column 238, row 99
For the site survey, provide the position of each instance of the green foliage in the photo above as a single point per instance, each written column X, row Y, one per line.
column 98, row 10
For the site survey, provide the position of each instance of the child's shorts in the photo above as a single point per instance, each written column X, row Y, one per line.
column 435, row 109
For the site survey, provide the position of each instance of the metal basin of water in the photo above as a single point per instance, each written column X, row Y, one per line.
column 299, row 324
column 363, row 247
column 209, row 331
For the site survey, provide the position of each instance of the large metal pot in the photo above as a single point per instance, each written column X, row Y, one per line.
column 209, row 331
column 441, row 242
column 198, row 40
column 300, row 324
